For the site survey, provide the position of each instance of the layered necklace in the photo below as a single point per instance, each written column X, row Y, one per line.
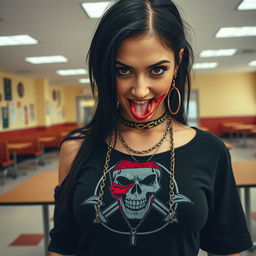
column 169, row 129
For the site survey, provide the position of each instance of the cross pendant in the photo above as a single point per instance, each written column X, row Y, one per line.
column 133, row 237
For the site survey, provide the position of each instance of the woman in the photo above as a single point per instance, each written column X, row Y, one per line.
column 137, row 180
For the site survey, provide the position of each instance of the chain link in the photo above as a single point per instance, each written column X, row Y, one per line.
column 172, row 172
column 146, row 125
column 103, row 182
column 142, row 152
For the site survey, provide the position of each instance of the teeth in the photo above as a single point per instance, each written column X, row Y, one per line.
column 140, row 102
column 135, row 204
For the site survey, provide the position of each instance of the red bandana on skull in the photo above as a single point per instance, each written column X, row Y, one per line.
column 117, row 189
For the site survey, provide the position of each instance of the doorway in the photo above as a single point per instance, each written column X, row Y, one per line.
column 85, row 109
column 193, row 110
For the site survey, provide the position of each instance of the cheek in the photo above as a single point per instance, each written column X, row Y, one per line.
column 162, row 86
column 121, row 87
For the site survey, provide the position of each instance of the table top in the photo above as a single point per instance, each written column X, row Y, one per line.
column 228, row 145
column 244, row 127
column 245, row 173
column 46, row 139
column 37, row 190
column 203, row 128
column 18, row 145
column 230, row 124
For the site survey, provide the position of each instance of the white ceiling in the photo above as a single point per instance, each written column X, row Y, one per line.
column 62, row 28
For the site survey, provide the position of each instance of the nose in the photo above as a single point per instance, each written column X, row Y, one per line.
column 140, row 88
column 136, row 189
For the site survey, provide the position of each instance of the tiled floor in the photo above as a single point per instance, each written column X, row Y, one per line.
column 27, row 220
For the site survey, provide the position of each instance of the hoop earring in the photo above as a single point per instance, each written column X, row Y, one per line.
column 173, row 88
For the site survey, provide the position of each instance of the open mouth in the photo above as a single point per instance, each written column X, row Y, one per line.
column 142, row 109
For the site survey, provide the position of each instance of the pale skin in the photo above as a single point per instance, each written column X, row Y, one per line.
column 139, row 82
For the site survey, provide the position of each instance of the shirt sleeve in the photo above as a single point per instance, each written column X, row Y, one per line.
column 65, row 232
column 225, row 231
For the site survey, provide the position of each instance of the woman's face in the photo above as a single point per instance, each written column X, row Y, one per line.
column 144, row 73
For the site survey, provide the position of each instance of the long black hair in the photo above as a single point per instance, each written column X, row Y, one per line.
column 124, row 19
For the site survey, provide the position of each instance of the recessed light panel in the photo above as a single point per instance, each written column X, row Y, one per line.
column 46, row 59
column 247, row 5
column 217, row 53
column 252, row 63
column 17, row 40
column 236, row 32
column 72, row 72
column 95, row 9
column 84, row 80
column 205, row 65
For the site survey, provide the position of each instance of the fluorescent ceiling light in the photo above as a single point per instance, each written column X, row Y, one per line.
column 72, row 72
column 217, row 53
column 84, row 80
column 17, row 40
column 252, row 63
column 247, row 5
column 95, row 9
column 205, row 65
column 236, row 32
column 46, row 59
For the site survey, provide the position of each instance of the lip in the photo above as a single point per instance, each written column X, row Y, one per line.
column 156, row 100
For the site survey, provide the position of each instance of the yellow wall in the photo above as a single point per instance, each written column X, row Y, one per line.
column 222, row 95
column 17, row 104
column 37, row 93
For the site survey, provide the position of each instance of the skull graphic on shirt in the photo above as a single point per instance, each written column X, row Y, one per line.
column 135, row 187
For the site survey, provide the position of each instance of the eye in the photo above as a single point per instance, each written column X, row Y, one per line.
column 122, row 71
column 157, row 71
column 123, row 181
column 149, row 180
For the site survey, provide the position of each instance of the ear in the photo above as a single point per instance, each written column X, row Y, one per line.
column 181, row 53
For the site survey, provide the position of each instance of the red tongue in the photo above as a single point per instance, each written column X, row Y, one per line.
column 141, row 109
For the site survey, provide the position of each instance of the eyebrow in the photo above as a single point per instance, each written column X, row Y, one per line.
column 151, row 66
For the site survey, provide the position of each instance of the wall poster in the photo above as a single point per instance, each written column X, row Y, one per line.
column 26, row 115
column 13, row 113
column 5, row 117
column 47, row 108
column 32, row 112
column 7, row 89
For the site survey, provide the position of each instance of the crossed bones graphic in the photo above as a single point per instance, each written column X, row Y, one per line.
column 157, row 204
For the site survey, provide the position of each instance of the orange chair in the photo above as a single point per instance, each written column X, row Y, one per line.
column 5, row 162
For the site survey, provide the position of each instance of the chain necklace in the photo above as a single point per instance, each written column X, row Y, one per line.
column 171, row 183
column 145, row 125
column 142, row 152
column 151, row 156
column 134, row 229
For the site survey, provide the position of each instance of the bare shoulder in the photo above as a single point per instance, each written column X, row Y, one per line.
column 68, row 152
column 183, row 134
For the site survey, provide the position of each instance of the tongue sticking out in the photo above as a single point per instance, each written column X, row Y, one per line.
column 141, row 109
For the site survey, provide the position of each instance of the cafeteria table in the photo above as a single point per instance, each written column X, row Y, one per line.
column 38, row 190
column 13, row 147
column 42, row 141
column 245, row 176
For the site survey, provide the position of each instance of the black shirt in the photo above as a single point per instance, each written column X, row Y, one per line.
column 207, row 209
